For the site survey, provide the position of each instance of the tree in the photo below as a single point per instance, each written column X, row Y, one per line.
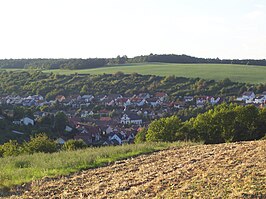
column 84, row 89
column 60, row 122
column 141, row 136
column 164, row 129
column 40, row 143
column 262, row 123
column 247, row 118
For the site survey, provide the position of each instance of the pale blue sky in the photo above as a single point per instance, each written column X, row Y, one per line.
column 107, row 28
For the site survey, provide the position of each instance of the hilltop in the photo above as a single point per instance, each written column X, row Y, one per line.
column 203, row 171
column 237, row 73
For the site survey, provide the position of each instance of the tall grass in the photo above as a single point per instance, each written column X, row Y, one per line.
column 25, row 168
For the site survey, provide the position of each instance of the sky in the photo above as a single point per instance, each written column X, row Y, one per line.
column 228, row 29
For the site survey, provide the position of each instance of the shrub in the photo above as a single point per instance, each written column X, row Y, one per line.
column 40, row 143
column 71, row 145
column 141, row 136
column 10, row 148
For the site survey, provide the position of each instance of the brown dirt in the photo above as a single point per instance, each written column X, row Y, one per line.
column 236, row 170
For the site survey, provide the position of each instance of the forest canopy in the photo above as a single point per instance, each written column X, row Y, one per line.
column 100, row 62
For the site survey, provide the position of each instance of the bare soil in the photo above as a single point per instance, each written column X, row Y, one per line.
column 236, row 170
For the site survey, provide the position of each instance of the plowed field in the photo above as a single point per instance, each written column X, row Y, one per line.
column 236, row 170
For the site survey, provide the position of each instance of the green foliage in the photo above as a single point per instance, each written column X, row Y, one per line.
column 40, row 143
column 10, row 148
column 224, row 123
column 29, row 83
column 164, row 129
column 71, row 145
column 141, row 136
column 60, row 121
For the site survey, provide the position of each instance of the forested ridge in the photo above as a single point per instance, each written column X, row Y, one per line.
column 49, row 85
column 100, row 62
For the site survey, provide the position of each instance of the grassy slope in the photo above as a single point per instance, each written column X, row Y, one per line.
column 232, row 170
column 238, row 73
column 25, row 168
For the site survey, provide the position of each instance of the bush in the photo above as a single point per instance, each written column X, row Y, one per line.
column 71, row 145
column 164, row 129
column 141, row 136
column 40, row 143
column 10, row 148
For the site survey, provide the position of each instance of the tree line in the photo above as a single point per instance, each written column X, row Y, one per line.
column 223, row 123
column 100, row 62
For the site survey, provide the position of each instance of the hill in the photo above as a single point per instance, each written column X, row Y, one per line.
column 237, row 73
column 235, row 170
column 100, row 62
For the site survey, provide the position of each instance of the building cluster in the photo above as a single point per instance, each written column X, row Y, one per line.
column 113, row 119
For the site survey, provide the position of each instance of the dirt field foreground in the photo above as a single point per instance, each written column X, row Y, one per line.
column 236, row 170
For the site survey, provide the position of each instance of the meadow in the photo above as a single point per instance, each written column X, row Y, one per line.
column 237, row 73
column 26, row 168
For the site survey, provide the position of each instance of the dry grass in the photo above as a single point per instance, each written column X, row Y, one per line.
column 234, row 170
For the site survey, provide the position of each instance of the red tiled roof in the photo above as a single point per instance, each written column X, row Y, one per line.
column 160, row 94
column 105, row 119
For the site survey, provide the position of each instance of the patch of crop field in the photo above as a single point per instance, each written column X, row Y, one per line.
column 25, row 168
column 237, row 73
column 235, row 170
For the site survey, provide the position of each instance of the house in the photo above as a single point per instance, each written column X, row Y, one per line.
column 24, row 121
column 115, row 138
column 27, row 121
column 89, row 134
column 179, row 105
column 144, row 95
column 29, row 102
column 248, row 95
column 137, row 101
column 131, row 118
column 60, row 98
column 84, row 114
column 264, row 94
column 109, row 102
column 213, row 101
column 68, row 128
column 100, row 98
column 161, row 96
column 153, row 101
column 125, row 119
column 201, row 101
column 123, row 102
column 109, row 130
column 260, row 100
column 36, row 97
column 87, row 98
column 188, row 98
column 114, row 96
column 2, row 117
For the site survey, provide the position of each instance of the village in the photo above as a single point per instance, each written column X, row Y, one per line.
column 112, row 119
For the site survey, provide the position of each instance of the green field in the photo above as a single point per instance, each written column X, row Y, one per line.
column 237, row 73
column 25, row 168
